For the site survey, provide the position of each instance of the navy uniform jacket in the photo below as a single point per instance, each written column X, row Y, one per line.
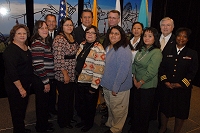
column 79, row 34
column 179, row 68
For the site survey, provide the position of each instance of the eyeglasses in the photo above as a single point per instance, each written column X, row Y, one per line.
column 91, row 33
column 114, row 33
column 69, row 25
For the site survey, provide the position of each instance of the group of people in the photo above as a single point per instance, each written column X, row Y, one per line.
column 132, row 73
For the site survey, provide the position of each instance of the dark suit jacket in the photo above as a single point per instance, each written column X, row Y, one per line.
column 170, row 43
column 179, row 68
column 79, row 34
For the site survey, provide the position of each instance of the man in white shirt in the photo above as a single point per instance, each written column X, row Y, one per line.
column 52, row 24
column 166, row 38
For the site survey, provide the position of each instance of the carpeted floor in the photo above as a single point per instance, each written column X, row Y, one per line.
column 192, row 125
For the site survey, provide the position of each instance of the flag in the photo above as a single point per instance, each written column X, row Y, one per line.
column 143, row 13
column 62, row 11
column 94, row 10
column 118, row 7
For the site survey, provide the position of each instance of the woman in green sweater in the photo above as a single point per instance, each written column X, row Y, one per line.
column 145, row 77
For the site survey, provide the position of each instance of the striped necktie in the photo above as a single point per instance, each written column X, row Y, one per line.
column 178, row 52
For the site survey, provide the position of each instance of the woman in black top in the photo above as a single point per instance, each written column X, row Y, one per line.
column 18, row 73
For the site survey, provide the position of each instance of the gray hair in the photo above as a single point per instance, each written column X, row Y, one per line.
column 167, row 18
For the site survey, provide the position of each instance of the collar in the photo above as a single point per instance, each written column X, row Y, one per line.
column 166, row 37
column 177, row 49
column 83, row 27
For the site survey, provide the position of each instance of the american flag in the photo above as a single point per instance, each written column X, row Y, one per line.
column 62, row 11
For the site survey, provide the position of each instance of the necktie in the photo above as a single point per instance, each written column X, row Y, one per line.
column 51, row 36
column 178, row 52
column 162, row 43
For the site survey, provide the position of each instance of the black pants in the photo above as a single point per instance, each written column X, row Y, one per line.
column 41, row 102
column 131, row 102
column 143, row 101
column 87, row 103
column 52, row 96
column 17, row 104
column 65, row 103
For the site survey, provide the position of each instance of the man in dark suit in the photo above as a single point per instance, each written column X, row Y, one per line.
column 167, row 40
column 113, row 20
column 86, row 19
column 51, row 23
column 79, row 35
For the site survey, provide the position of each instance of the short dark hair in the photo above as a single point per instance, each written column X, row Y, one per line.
column 114, row 11
column 187, row 30
column 52, row 15
column 87, row 10
column 123, row 42
column 156, row 43
column 96, row 31
column 15, row 28
column 38, row 25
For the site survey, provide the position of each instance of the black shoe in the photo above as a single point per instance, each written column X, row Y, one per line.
column 27, row 130
column 54, row 112
column 49, row 116
column 47, row 130
column 79, row 125
column 104, row 116
column 130, row 122
column 69, row 126
column 73, row 121
column 108, row 131
column 85, row 129
column 129, row 131
column 50, row 124
column 50, row 130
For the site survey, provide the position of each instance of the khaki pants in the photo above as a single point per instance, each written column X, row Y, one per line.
column 117, row 109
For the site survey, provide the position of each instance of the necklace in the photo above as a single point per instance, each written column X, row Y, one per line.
column 86, row 50
column 140, row 57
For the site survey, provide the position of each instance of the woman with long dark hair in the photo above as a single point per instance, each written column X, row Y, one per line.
column 43, row 72
column 64, row 51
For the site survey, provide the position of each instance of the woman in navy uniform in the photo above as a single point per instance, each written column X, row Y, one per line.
column 177, row 70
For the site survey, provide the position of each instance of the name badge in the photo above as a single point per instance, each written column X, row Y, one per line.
column 169, row 55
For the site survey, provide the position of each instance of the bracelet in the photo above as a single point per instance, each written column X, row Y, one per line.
column 140, row 82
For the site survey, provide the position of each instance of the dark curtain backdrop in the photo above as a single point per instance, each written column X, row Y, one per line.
column 185, row 13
